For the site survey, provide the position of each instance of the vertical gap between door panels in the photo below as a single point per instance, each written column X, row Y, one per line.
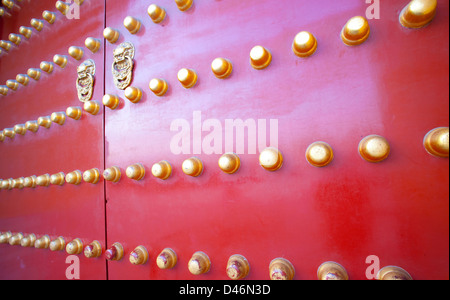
column 104, row 138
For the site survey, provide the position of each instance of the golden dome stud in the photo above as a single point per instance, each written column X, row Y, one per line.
column 139, row 256
column 23, row 79
column 91, row 176
column 436, row 142
column 37, row 24
column 12, row 84
column 133, row 94
column 237, row 267
column 74, row 247
column 192, row 166
column 187, row 78
column 74, row 177
column 112, row 174
column 331, row 270
column 76, row 52
column 167, row 259
column 25, row 31
column 93, row 250
column 229, row 163
column 92, row 44
column 46, row 66
column 58, row 118
column 58, row 244
column 132, row 24
column 30, row 181
column 356, row 31
column 15, row 38
column 34, row 73
column 305, row 44
column 319, row 154
column 43, row 180
column 42, row 243
column 74, row 112
column 418, row 13
column 49, row 16
column 281, row 269
column 92, row 107
column 45, row 122
column 162, row 170
column 374, row 148
column 111, row 101
column 158, row 86
column 271, row 159
column 393, row 273
column 156, row 13
column 111, row 35
column 199, row 263
column 20, row 129
column 260, row 57
column 135, row 172
column 184, row 5
column 32, row 126
column 60, row 60
column 221, row 67
column 58, row 178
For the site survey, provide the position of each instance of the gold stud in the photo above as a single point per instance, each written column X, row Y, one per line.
column 374, row 148
column 192, row 167
column 305, row 44
column 418, row 13
column 5, row 45
column 42, row 243
column 92, row 44
column 74, row 247
column 9, row 132
column 162, row 170
column 237, row 267
column 76, row 52
column 158, row 86
column 271, row 159
column 74, row 112
column 60, row 60
column 93, row 250
column 37, row 24
column 18, row 183
column 436, row 142
column 15, row 38
column 331, row 271
column 62, row 7
column 112, row 174
column 34, row 73
column 74, row 177
column 133, row 94
column 43, row 180
column 7, row 184
column 30, row 181
column 58, row 244
column 184, row 5
column 221, row 68
column 91, row 176
column 57, row 179
column 58, row 118
column 25, row 31
column 111, row 35
column 110, row 101
column 260, row 57
column 115, row 252
column 45, row 122
column 393, row 273
column 167, row 259
column 15, row 239
column 49, row 16
column 199, row 263
column 156, row 13
column 32, row 126
column 92, row 107
column 139, row 256
column 319, row 154
column 8, row 3
column 23, row 79
column 12, row 84
column 28, row 241
column 187, row 77
column 229, row 163
column 132, row 24
column 4, row 237
column 3, row 90
column 281, row 269
column 135, row 172
column 356, row 31
column 20, row 129
column 46, row 67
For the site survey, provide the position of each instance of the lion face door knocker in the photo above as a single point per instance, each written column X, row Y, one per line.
column 122, row 67
column 85, row 80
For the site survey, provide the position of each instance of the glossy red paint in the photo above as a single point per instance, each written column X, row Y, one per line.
column 394, row 85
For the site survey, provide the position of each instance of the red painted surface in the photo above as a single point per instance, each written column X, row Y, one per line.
column 394, row 85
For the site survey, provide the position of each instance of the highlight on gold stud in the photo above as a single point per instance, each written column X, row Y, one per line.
column 135, row 172
column 15, row 38
column 25, row 31
column 156, row 13
column 34, row 73
column 23, row 79
column 199, row 263
column 187, row 78
column 76, row 52
column 46, row 67
column 184, row 5
column 319, row 154
column 32, row 126
column 132, row 24
column 74, row 112
column 12, row 84
column 281, row 269
column 43, row 180
column 331, row 270
column 418, row 13
column 91, row 176
column 15, row 239
column 111, row 35
column 49, row 16
column 20, row 129
column 133, row 94
column 260, row 57
column 237, row 267
column 58, row 244
column 139, row 256
column 110, row 101
column 374, row 148
column 93, row 250
column 9, row 132
column 436, row 142
column 158, row 86
column 356, row 31
column 28, row 241
column 271, row 159
column 45, row 122
column 92, row 107
column 92, row 44
column 74, row 247
column 393, row 273
column 60, row 60
column 62, row 7
column 58, row 178
column 221, row 67
column 42, row 243
column 192, row 166
column 37, row 24
column 112, row 174
column 30, row 181
column 74, row 177
column 115, row 252
column 305, row 44
column 167, row 259
column 58, row 118
column 229, row 163
column 162, row 170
